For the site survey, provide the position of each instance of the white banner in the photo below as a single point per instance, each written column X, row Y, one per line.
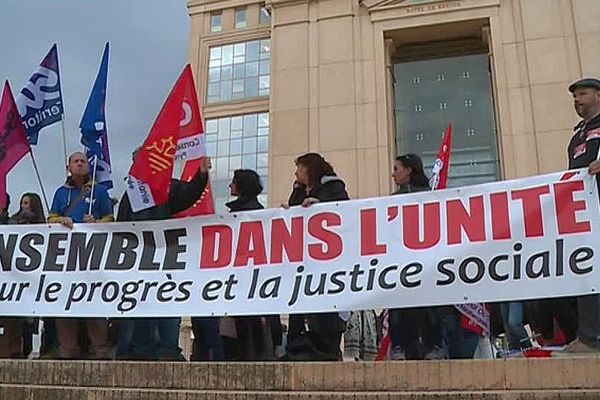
column 530, row 238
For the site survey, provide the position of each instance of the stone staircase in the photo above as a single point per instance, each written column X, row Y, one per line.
column 577, row 379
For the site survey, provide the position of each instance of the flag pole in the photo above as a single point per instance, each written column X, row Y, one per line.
column 39, row 178
column 93, row 183
column 64, row 140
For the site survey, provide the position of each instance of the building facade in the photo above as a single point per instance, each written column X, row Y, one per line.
column 362, row 81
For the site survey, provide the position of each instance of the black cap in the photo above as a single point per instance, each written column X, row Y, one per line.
column 585, row 83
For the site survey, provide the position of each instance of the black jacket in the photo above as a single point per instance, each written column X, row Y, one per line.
column 244, row 203
column 182, row 196
column 410, row 188
column 249, row 203
column 584, row 145
column 331, row 188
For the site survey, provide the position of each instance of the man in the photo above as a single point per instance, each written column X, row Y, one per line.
column 136, row 338
column 71, row 204
column 583, row 152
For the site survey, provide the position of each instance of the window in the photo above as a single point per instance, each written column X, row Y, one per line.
column 236, row 142
column 425, row 110
column 239, row 71
column 265, row 16
column 216, row 22
column 240, row 18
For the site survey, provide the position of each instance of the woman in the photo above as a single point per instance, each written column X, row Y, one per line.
column 316, row 182
column 71, row 205
column 31, row 212
column 415, row 332
column 257, row 337
column 17, row 335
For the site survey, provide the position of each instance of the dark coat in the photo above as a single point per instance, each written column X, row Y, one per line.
column 584, row 144
column 244, row 203
column 331, row 188
column 409, row 188
column 182, row 196
column 252, row 325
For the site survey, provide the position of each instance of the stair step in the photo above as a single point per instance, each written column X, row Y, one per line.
column 408, row 376
column 41, row 392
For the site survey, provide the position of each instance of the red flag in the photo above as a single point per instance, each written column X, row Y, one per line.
column 439, row 175
column 13, row 139
column 176, row 133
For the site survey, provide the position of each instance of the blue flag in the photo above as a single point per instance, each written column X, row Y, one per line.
column 93, row 127
column 40, row 101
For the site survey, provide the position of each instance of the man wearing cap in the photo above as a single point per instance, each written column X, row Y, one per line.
column 583, row 152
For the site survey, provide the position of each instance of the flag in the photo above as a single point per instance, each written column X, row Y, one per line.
column 13, row 139
column 94, row 136
column 40, row 101
column 439, row 175
column 176, row 133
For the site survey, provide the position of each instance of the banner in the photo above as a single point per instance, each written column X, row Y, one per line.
column 523, row 239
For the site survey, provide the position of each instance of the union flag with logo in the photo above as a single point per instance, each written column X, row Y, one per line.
column 176, row 134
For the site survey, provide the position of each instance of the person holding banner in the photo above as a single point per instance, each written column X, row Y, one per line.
column 4, row 216
column 316, row 182
column 257, row 336
column 12, row 327
column 81, row 200
column 136, row 338
column 30, row 212
column 584, row 152
column 408, row 325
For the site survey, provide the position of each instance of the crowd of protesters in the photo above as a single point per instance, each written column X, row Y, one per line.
column 415, row 333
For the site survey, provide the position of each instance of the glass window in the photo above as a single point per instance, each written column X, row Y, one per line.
column 250, row 125
column 240, row 18
column 263, row 143
column 252, row 69
column 265, row 16
column 216, row 22
column 237, row 123
column 252, row 50
column 227, row 57
column 424, row 111
column 235, row 142
column 249, row 145
column 225, row 91
column 212, row 126
column 238, row 71
column 251, row 89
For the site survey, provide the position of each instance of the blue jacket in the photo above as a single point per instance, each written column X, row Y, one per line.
column 66, row 196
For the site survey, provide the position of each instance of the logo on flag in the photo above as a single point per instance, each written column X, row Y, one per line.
column 40, row 101
column 161, row 156
column 94, row 136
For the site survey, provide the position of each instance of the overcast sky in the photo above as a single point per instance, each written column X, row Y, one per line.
column 148, row 49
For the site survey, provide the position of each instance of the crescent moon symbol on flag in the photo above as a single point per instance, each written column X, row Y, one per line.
column 187, row 114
